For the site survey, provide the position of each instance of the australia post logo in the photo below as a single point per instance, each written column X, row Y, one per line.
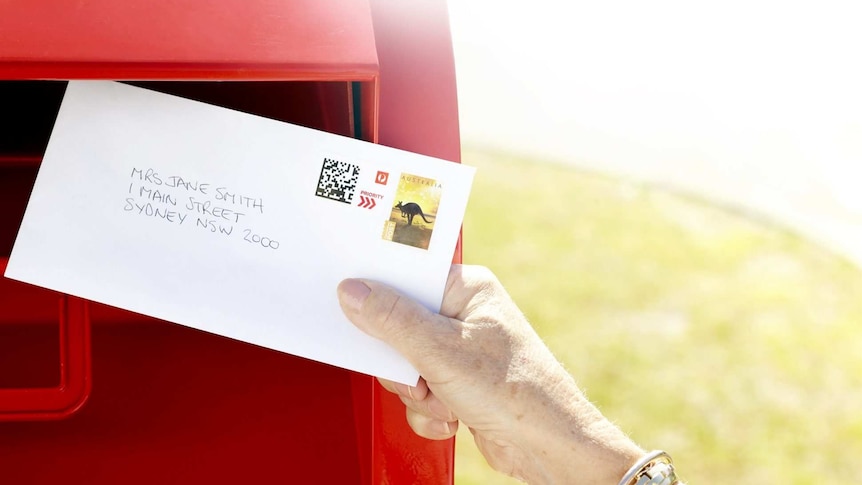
column 382, row 177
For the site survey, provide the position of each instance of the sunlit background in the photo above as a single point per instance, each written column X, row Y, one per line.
column 685, row 173
column 756, row 104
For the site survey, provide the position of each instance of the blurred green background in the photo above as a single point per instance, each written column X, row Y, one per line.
column 731, row 343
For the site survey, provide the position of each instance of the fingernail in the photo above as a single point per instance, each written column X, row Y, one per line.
column 444, row 428
column 353, row 293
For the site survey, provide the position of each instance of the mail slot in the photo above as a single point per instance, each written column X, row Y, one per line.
column 91, row 394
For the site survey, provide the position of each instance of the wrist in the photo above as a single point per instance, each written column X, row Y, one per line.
column 572, row 442
column 599, row 454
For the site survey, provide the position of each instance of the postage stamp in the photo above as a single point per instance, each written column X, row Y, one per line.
column 411, row 221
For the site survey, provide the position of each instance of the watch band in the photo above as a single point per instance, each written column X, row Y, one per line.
column 655, row 468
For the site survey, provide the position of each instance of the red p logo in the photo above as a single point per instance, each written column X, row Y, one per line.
column 382, row 177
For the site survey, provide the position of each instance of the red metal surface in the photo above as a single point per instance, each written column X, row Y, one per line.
column 59, row 382
column 418, row 112
column 175, row 405
column 233, row 40
column 187, row 39
column 72, row 386
column 171, row 405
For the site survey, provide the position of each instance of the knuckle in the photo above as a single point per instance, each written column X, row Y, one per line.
column 403, row 323
column 428, row 427
column 394, row 315
column 388, row 315
column 481, row 279
column 467, row 287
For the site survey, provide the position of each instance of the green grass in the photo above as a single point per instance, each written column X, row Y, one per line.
column 732, row 344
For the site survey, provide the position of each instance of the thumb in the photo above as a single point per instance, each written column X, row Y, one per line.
column 388, row 315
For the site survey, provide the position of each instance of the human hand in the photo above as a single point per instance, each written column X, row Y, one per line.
column 483, row 364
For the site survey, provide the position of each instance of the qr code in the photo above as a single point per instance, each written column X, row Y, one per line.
column 337, row 180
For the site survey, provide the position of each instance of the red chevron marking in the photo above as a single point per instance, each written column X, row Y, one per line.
column 366, row 202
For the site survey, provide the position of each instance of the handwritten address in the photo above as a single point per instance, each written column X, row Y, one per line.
column 176, row 200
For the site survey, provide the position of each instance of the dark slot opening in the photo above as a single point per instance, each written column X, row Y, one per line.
column 16, row 183
column 319, row 105
column 28, row 110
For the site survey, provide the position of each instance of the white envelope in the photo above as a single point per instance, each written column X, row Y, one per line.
column 235, row 224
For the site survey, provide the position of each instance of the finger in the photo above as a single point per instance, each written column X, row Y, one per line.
column 419, row 391
column 386, row 314
column 388, row 385
column 430, row 428
column 431, row 406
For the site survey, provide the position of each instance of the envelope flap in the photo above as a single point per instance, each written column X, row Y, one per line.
column 243, row 39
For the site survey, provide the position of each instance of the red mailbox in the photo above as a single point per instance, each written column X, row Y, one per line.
column 169, row 404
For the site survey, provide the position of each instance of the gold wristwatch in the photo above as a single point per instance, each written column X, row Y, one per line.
column 655, row 468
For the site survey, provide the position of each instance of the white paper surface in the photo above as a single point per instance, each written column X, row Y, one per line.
column 160, row 205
